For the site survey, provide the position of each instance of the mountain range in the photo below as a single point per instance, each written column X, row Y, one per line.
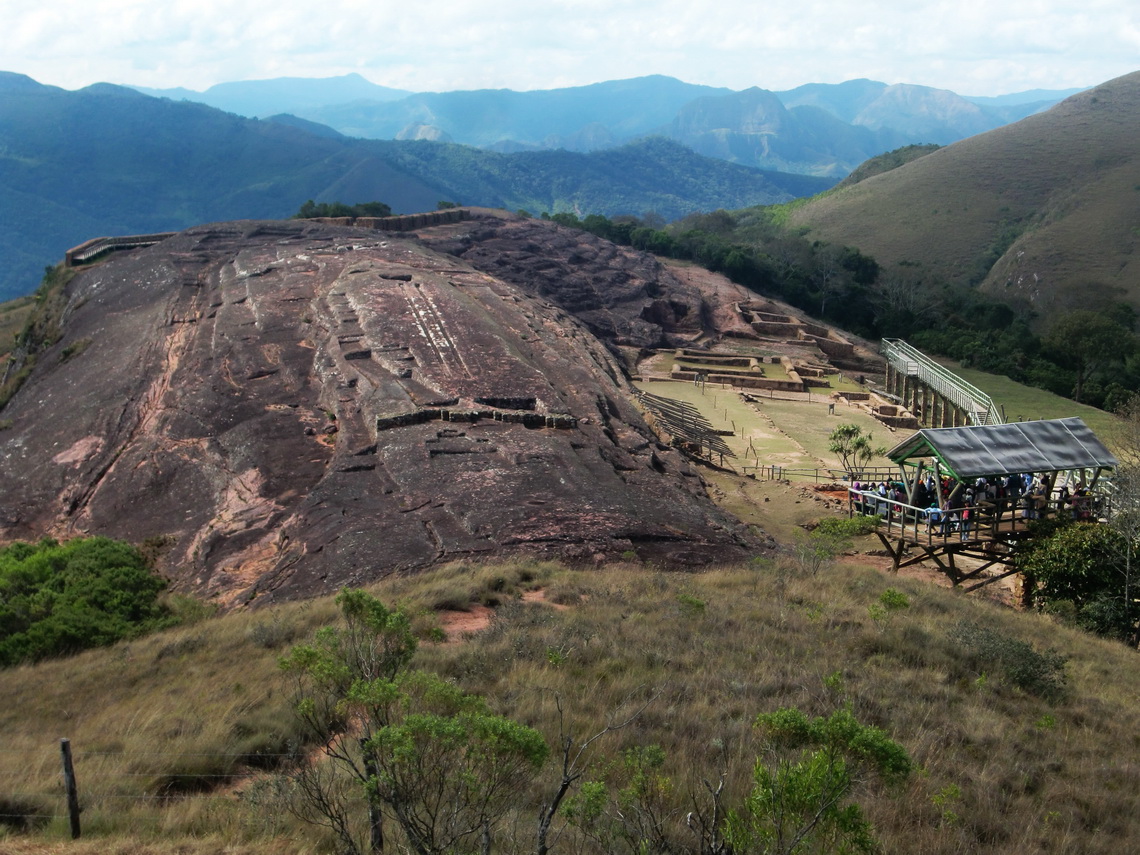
column 819, row 129
column 108, row 160
column 1041, row 214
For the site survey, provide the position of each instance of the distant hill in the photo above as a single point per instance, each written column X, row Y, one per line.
column 755, row 128
column 261, row 98
column 819, row 129
column 109, row 160
column 1041, row 213
column 1030, row 96
column 553, row 118
column 918, row 114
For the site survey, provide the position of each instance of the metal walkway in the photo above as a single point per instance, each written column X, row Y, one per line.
column 911, row 362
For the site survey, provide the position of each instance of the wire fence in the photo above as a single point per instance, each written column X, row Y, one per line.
column 102, row 788
column 819, row 475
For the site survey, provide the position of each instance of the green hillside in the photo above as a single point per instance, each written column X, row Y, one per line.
column 1024, row 403
column 1041, row 213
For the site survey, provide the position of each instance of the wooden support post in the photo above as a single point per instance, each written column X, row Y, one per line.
column 895, row 553
column 70, row 787
column 912, row 488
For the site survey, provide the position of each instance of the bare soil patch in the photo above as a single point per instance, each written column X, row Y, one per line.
column 459, row 625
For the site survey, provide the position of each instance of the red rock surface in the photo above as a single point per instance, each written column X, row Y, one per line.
column 281, row 401
column 623, row 296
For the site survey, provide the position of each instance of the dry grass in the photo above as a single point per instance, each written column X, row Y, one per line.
column 13, row 315
column 1033, row 776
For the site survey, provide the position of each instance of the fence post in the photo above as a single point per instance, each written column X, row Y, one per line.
column 70, row 786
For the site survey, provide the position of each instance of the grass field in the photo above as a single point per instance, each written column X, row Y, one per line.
column 775, row 431
column 1021, row 403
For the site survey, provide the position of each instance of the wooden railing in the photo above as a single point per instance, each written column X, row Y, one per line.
column 997, row 519
column 92, row 249
column 776, row 472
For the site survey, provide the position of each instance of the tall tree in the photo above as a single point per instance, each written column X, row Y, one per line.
column 1087, row 341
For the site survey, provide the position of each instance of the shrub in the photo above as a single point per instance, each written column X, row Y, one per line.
column 22, row 814
column 57, row 599
column 1041, row 674
column 855, row 526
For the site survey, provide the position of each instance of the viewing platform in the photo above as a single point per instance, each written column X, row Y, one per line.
column 989, row 483
column 988, row 533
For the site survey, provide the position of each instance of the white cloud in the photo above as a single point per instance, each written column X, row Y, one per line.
column 971, row 46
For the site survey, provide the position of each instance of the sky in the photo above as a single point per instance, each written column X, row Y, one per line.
column 973, row 47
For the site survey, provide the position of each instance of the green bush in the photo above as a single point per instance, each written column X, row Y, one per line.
column 57, row 599
column 311, row 210
column 855, row 526
column 1041, row 674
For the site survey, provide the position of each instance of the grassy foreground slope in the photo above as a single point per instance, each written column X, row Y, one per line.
column 177, row 736
column 1041, row 210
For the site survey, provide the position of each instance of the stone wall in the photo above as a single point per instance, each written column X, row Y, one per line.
column 403, row 222
column 832, row 347
column 92, row 249
column 526, row 419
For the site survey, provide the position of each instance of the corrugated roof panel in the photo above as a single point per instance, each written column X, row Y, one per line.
column 1048, row 445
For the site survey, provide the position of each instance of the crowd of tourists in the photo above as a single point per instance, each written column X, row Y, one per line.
column 948, row 506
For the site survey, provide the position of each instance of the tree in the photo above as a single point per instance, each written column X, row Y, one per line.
column 854, row 449
column 1087, row 341
column 311, row 210
column 800, row 803
column 828, row 274
column 573, row 757
column 1080, row 567
column 632, row 812
column 423, row 752
column 1125, row 511
column 446, row 766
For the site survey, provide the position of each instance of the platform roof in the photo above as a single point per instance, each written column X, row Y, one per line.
column 1049, row 445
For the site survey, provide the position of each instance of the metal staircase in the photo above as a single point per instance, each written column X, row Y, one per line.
column 911, row 362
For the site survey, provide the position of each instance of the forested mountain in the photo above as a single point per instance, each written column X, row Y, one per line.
column 571, row 118
column 109, row 160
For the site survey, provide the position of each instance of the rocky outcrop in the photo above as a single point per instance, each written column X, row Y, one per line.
column 623, row 296
column 295, row 407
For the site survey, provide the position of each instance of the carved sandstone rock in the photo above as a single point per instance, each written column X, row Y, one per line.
column 301, row 407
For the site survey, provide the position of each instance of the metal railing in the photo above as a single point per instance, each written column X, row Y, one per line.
column 978, row 406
